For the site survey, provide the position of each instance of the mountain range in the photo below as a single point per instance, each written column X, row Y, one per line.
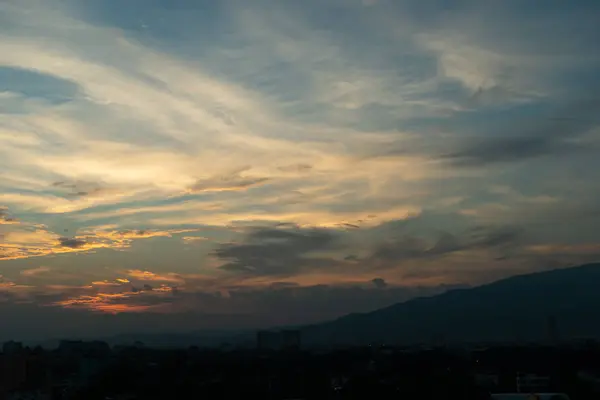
column 559, row 304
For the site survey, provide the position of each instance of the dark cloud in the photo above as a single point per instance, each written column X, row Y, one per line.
column 280, row 285
column 351, row 226
column 72, row 243
column 406, row 147
column 489, row 96
column 509, row 149
column 410, row 247
column 134, row 233
column 552, row 132
column 228, row 182
column 379, row 283
column 277, row 251
column 401, row 249
column 289, row 250
column 296, row 168
column 527, row 139
column 83, row 188
column 5, row 217
column 486, row 237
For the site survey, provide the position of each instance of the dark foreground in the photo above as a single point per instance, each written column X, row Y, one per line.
column 90, row 371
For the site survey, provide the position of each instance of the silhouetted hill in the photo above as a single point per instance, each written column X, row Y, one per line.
column 513, row 308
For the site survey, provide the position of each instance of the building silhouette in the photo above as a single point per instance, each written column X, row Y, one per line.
column 552, row 326
column 278, row 340
column 268, row 340
column 290, row 339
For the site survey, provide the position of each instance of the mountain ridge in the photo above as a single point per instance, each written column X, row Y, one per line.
column 515, row 307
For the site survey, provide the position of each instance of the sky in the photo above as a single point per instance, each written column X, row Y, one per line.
column 188, row 165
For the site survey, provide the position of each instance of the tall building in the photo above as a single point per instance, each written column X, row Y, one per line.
column 13, row 371
column 553, row 335
column 12, row 347
column 268, row 340
column 290, row 339
column 278, row 340
column 80, row 347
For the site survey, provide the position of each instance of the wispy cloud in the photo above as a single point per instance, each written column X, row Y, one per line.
column 374, row 144
column 231, row 181
column 151, row 276
column 35, row 271
column 25, row 240
column 5, row 218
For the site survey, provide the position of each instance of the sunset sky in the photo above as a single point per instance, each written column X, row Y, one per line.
column 176, row 165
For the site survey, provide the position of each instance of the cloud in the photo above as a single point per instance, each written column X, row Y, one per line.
column 151, row 276
column 154, row 167
column 126, row 236
column 113, row 303
column 557, row 254
column 508, row 150
column 299, row 168
column 106, row 283
column 143, row 171
column 35, row 271
column 314, row 144
column 395, row 248
column 231, row 181
column 26, row 240
column 273, row 251
column 85, row 189
column 379, row 283
column 111, row 297
column 5, row 218
column 593, row 248
column 557, row 130
column 72, row 242
column 193, row 239
column 408, row 248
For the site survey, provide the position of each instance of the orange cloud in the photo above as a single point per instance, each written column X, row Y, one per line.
column 35, row 271
column 26, row 240
column 151, row 276
column 106, row 283
column 128, row 235
column 5, row 218
column 114, row 303
column 226, row 183
column 66, row 287
column 9, row 285
column 583, row 248
column 307, row 218
column 193, row 239
column 123, row 308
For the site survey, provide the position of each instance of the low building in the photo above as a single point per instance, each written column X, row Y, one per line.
column 28, row 395
column 278, row 340
column 532, row 383
column 530, row 396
